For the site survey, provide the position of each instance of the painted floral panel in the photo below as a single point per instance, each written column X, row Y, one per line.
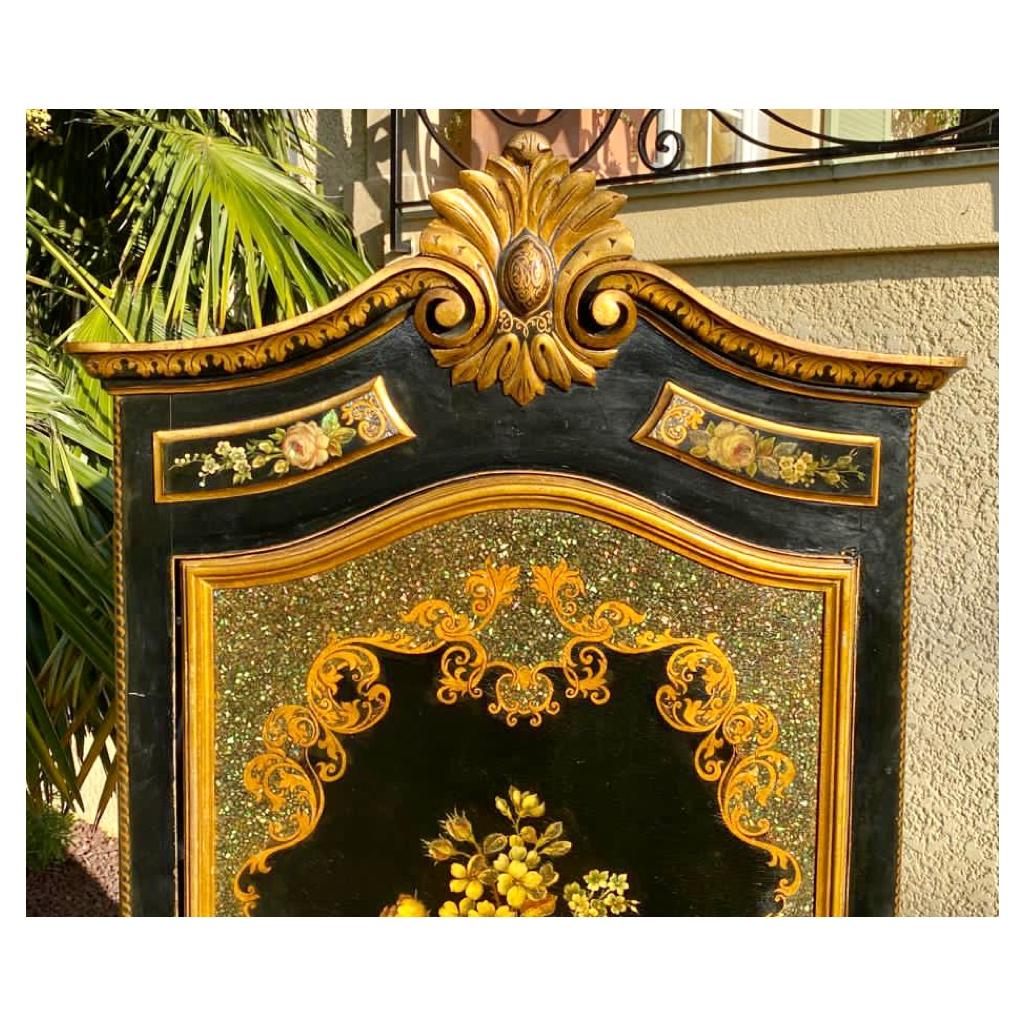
column 765, row 455
column 302, row 446
column 302, row 443
column 512, row 873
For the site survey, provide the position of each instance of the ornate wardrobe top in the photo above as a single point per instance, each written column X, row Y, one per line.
column 525, row 279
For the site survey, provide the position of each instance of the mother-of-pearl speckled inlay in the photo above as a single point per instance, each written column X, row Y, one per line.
column 267, row 636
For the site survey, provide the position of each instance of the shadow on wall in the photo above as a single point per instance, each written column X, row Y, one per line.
column 349, row 163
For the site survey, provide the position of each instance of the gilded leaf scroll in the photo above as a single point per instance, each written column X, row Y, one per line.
column 525, row 229
column 304, row 743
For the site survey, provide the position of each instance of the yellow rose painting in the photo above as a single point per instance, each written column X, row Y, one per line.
column 732, row 446
column 739, row 449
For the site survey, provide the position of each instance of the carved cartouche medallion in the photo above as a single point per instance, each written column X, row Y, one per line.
column 527, row 275
column 526, row 230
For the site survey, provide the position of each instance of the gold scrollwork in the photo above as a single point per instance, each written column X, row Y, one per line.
column 302, row 750
column 368, row 416
column 464, row 660
column 303, row 743
column 701, row 697
column 583, row 661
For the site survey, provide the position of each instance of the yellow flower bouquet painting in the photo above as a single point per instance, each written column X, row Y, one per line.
column 738, row 449
column 813, row 463
column 512, row 873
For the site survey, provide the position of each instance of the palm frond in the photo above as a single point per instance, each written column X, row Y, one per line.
column 142, row 225
column 220, row 227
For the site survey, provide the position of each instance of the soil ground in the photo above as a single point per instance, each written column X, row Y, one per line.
column 83, row 885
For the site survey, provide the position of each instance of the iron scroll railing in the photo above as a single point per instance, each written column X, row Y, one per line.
column 661, row 150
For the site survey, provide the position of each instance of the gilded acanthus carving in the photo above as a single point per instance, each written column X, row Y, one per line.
column 258, row 350
column 661, row 292
column 526, row 228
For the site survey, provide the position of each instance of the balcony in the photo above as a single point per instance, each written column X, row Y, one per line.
column 646, row 151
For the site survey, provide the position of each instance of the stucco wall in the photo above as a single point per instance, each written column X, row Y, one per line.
column 942, row 302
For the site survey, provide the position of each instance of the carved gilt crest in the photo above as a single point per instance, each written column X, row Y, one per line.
column 528, row 230
column 525, row 279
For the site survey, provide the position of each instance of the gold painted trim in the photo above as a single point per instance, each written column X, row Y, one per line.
column 830, row 394
column 647, row 436
column 745, row 344
column 375, row 388
column 525, row 278
column 124, row 844
column 200, row 752
column 173, row 385
column 834, row 576
column 233, row 360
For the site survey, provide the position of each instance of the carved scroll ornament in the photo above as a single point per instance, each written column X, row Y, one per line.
column 527, row 229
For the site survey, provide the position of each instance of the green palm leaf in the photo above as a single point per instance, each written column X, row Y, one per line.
column 219, row 227
column 142, row 225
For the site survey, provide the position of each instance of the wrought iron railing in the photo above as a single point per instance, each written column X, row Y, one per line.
column 661, row 148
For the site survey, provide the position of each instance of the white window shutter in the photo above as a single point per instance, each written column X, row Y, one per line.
column 869, row 125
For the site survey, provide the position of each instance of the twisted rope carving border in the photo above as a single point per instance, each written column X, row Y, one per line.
column 908, row 545
column 121, row 681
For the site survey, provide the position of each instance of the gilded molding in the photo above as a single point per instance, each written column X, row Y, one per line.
column 776, row 458
column 908, row 549
column 524, row 279
column 249, row 456
column 748, row 345
column 835, row 577
column 201, row 360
